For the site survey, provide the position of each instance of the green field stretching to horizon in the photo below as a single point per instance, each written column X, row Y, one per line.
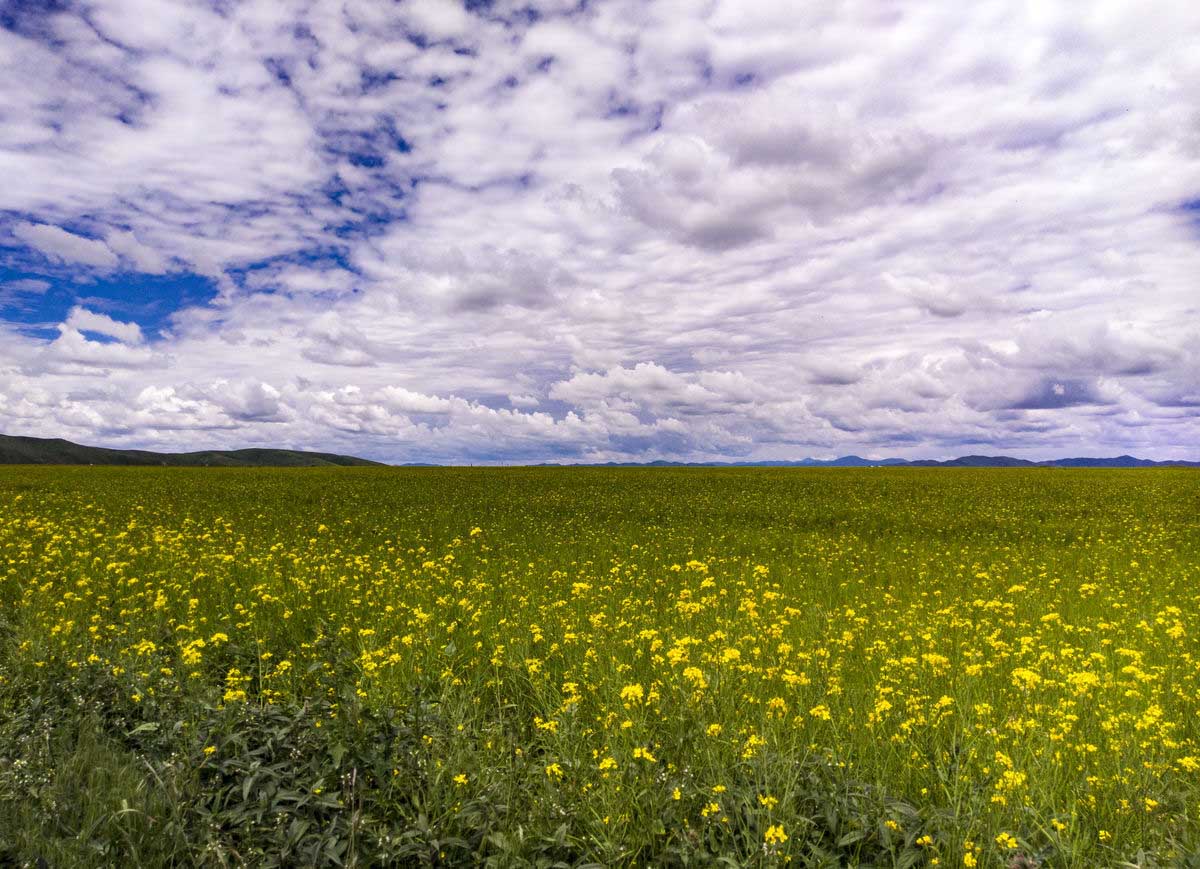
column 607, row 667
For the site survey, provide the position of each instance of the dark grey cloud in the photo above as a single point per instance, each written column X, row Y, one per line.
column 1054, row 394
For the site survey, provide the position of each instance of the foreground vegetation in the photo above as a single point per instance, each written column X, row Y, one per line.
column 559, row 667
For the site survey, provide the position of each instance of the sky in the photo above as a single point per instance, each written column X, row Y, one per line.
column 591, row 230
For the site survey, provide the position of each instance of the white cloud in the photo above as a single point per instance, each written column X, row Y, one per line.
column 436, row 19
column 31, row 286
column 67, row 247
column 143, row 259
column 73, row 353
column 247, row 401
column 84, row 320
column 401, row 400
column 21, row 294
column 523, row 400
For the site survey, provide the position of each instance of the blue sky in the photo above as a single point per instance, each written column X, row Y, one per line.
column 36, row 299
column 553, row 230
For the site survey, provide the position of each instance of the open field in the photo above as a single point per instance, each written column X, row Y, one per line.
column 634, row 666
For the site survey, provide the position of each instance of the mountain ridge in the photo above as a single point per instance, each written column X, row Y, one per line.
column 972, row 461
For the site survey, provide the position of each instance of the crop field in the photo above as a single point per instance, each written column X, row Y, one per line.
column 538, row 667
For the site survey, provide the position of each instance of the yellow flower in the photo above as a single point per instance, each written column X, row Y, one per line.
column 1007, row 841
column 554, row 771
column 1023, row 677
column 775, row 835
column 210, row 750
column 632, row 694
column 460, row 779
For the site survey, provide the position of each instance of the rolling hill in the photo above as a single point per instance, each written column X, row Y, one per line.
column 55, row 451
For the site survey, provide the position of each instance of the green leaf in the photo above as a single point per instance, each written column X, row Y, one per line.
column 337, row 752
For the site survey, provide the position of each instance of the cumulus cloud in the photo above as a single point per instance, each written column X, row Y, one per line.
column 247, row 401
column 72, row 352
column 547, row 231
column 402, row 400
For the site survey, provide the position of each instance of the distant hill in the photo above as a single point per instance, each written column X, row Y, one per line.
column 980, row 462
column 1118, row 462
column 55, row 451
column 960, row 462
column 1009, row 462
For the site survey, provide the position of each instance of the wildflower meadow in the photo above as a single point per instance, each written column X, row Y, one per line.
column 599, row 666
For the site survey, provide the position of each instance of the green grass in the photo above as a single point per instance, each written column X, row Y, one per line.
column 885, row 667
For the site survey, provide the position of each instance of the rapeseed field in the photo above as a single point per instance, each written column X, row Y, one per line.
column 541, row 667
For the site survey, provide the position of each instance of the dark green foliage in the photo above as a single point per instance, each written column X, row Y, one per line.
column 91, row 779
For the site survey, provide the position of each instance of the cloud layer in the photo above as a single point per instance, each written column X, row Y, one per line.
column 505, row 231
